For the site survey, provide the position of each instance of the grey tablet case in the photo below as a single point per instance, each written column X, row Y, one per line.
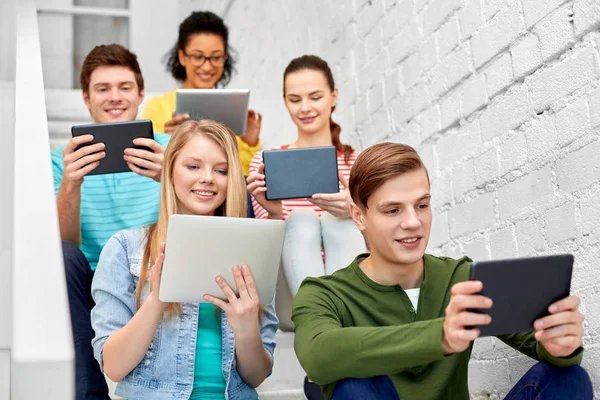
column 521, row 289
column 227, row 106
column 300, row 173
column 116, row 137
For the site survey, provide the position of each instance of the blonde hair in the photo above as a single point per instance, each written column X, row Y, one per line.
column 234, row 205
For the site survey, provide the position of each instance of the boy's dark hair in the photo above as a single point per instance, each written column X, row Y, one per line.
column 376, row 165
column 109, row 55
column 200, row 22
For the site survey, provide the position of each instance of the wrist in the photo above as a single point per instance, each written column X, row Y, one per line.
column 445, row 347
column 70, row 186
column 251, row 140
column 275, row 216
column 154, row 303
column 249, row 334
column 275, row 211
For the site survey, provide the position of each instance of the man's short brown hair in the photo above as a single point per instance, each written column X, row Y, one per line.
column 110, row 55
column 379, row 163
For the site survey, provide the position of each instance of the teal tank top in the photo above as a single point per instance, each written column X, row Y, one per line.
column 209, row 383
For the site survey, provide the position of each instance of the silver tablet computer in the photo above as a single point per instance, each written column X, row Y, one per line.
column 198, row 249
column 227, row 106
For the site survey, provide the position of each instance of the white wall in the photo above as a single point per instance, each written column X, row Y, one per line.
column 8, row 40
column 500, row 97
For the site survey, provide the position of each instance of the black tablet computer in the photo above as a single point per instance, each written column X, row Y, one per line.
column 116, row 137
column 522, row 290
column 300, row 173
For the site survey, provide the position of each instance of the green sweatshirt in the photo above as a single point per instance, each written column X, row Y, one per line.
column 347, row 326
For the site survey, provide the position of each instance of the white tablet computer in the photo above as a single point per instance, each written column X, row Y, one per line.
column 227, row 106
column 199, row 248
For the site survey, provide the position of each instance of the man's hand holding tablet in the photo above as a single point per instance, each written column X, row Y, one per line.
column 508, row 299
column 122, row 147
column 561, row 332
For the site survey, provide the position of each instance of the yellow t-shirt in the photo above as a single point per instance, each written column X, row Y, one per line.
column 160, row 110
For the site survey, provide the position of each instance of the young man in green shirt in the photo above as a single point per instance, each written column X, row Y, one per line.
column 394, row 323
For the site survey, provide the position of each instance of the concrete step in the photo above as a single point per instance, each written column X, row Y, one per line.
column 287, row 377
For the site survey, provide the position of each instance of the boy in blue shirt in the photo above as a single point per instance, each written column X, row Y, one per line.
column 92, row 208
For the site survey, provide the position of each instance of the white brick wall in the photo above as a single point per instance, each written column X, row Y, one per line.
column 500, row 97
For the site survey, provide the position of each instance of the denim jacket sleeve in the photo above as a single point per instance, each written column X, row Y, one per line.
column 113, row 291
column 268, row 328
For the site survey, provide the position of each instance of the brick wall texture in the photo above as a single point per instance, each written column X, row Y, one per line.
column 500, row 97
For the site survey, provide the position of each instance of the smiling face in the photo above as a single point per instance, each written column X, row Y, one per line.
column 113, row 95
column 200, row 176
column 207, row 75
column 397, row 221
column 309, row 100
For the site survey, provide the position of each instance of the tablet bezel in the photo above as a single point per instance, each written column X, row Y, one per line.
column 527, row 285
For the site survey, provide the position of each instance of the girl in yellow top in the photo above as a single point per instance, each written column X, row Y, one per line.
column 201, row 59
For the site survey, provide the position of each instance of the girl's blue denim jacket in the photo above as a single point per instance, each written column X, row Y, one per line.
column 167, row 369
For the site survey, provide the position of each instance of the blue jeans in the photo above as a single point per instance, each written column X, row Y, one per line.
column 545, row 382
column 541, row 382
column 90, row 383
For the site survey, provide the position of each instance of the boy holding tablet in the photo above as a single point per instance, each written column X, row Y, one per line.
column 395, row 323
column 92, row 208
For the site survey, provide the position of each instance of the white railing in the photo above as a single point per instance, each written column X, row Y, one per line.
column 7, row 97
column 42, row 346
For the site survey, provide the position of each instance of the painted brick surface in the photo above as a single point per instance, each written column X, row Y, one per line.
column 562, row 79
column 529, row 236
column 474, row 215
column 503, row 244
column 526, row 55
column 556, row 32
column 477, row 248
column 500, row 97
column 541, row 137
column 498, row 34
column 561, row 224
column 526, row 193
column 473, row 94
column 499, row 75
column 513, row 153
column 508, row 111
column 535, row 10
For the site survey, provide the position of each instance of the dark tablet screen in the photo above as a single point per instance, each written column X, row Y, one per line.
column 300, row 173
column 116, row 138
column 521, row 289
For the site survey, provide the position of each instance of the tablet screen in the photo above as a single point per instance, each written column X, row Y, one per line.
column 116, row 138
column 227, row 106
column 522, row 290
column 300, row 173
